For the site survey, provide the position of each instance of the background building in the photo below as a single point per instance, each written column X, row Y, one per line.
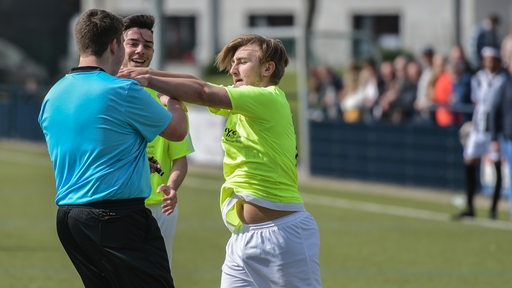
column 342, row 30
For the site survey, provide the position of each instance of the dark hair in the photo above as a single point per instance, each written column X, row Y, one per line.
column 95, row 30
column 142, row 21
column 271, row 50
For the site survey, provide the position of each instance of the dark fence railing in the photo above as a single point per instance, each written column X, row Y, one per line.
column 19, row 109
column 405, row 154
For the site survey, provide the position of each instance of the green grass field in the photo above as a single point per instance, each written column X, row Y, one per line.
column 368, row 239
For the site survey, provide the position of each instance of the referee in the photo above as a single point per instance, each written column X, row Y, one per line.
column 97, row 127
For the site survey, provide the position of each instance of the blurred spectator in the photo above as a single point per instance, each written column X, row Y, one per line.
column 385, row 84
column 423, row 102
column 359, row 104
column 506, row 49
column 462, row 105
column 327, row 88
column 369, row 86
column 441, row 90
column 404, row 105
column 457, row 54
column 32, row 91
column 461, row 74
column 485, row 35
column 391, row 111
column 501, row 127
column 351, row 99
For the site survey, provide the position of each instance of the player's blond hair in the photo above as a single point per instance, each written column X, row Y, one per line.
column 272, row 50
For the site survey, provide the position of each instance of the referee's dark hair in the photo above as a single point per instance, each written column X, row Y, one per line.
column 94, row 31
column 142, row 21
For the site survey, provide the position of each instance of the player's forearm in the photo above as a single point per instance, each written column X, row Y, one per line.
column 178, row 172
column 167, row 74
column 191, row 90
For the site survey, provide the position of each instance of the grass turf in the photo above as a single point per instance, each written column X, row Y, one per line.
column 367, row 239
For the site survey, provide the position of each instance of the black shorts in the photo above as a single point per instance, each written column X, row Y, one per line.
column 114, row 243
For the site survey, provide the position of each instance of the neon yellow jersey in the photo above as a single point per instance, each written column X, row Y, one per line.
column 165, row 152
column 260, row 152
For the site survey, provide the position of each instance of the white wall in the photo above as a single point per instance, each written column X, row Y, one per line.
column 423, row 22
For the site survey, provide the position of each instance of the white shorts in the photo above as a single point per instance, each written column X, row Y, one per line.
column 279, row 253
column 167, row 226
column 478, row 146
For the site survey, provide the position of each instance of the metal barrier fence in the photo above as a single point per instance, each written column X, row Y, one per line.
column 405, row 154
column 19, row 109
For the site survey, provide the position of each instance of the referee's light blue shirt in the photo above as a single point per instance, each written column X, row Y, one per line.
column 97, row 127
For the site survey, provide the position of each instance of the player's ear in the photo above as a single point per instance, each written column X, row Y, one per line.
column 268, row 68
column 115, row 46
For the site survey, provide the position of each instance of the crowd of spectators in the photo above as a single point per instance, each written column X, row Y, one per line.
column 432, row 88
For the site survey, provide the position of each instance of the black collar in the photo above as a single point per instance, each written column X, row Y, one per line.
column 86, row 69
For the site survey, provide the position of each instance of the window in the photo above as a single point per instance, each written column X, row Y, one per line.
column 180, row 38
column 284, row 20
column 375, row 31
column 270, row 20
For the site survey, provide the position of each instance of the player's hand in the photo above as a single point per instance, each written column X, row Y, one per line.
column 170, row 200
column 140, row 75
column 164, row 98
column 132, row 72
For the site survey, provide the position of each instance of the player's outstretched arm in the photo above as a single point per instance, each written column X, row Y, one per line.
column 182, row 87
column 133, row 72
column 191, row 91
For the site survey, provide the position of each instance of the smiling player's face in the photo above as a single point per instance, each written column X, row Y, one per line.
column 138, row 45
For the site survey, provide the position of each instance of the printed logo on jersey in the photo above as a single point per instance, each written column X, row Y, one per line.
column 231, row 135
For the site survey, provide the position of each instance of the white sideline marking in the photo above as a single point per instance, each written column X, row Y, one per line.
column 395, row 210
column 375, row 208
column 399, row 211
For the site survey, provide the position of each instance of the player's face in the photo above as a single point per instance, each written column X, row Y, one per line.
column 138, row 45
column 246, row 68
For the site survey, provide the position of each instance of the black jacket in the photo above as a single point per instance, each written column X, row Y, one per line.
column 501, row 113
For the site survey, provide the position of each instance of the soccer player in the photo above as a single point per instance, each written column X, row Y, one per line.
column 274, row 241
column 486, row 86
column 97, row 127
column 171, row 156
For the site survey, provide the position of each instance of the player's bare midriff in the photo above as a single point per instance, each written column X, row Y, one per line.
column 250, row 213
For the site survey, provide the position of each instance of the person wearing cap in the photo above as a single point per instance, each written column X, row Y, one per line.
column 486, row 85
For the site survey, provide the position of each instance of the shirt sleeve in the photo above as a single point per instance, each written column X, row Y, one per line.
column 144, row 113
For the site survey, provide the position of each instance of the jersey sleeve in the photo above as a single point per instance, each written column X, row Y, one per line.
column 144, row 113
column 256, row 102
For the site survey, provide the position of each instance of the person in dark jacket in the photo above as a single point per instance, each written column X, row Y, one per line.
column 500, row 124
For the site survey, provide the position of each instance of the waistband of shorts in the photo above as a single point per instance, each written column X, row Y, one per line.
column 283, row 221
column 131, row 203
